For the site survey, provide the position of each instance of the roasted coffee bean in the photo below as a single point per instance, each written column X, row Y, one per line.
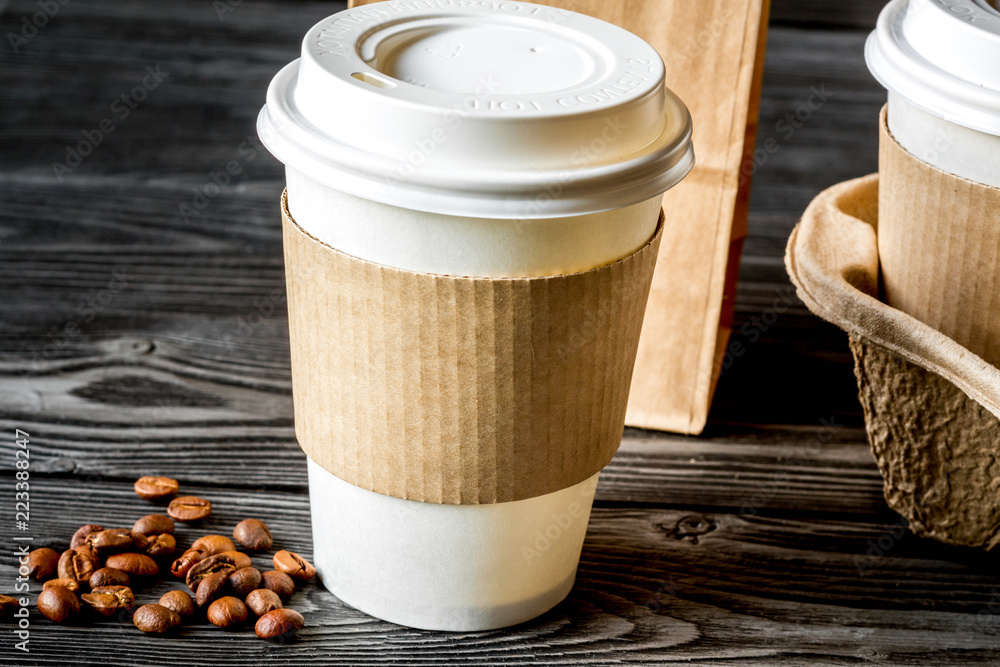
column 110, row 541
column 180, row 567
column 239, row 558
column 279, row 624
column 279, row 582
column 133, row 564
column 108, row 576
column 71, row 584
column 156, row 619
column 227, row 561
column 8, row 606
column 227, row 612
column 139, row 543
column 153, row 524
column 180, row 602
column 244, row 580
column 80, row 536
column 294, row 565
column 106, row 600
column 161, row 546
column 211, row 587
column 156, row 488
column 189, row 509
column 58, row 604
column 262, row 601
column 253, row 535
column 42, row 563
column 213, row 544
column 77, row 564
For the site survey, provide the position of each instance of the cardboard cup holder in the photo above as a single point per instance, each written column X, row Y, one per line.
column 931, row 403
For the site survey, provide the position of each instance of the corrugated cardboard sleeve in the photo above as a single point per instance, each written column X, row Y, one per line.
column 460, row 390
column 939, row 248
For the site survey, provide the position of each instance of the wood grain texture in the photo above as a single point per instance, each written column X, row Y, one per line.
column 135, row 339
column 655, row 586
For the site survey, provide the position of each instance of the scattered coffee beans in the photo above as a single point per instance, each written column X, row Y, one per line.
column 108, row 576
column 133, row 564
column 279, row 582
column 77, row 564
column 139, row 543
column 227, row 613
column 227, row 562
column 153, row 524
column 294, row 565
column 279, row 624
column 8, row 606
column 262, row 601
column 103, row 563
column 156, row 488
column 180, row 602
column 244, row 580
column 213, row 544
column 42, row 563
column 80, row 536
column 253, row 535
column 155, row 618
column 211, row 587
column 161, row 546
column 180, row 567
column 106, row 600
column 58, row 604
column 189, row 509
column 111, row 541
column 71, row 584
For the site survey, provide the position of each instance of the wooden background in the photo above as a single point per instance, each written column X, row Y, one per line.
column 135, row 339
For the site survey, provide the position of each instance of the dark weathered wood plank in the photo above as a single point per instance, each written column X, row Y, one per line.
column 121, row 207
column 181, row 367
column 846, row 13
column 182, row 405
column 654, row 586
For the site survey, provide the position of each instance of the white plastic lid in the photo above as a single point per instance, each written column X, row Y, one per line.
column 483, row 108
column 942, row 56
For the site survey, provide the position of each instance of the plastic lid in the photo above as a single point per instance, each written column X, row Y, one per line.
column 942, row 56
column 479, row 108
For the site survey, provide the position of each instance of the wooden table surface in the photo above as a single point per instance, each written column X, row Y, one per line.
column 137, row 338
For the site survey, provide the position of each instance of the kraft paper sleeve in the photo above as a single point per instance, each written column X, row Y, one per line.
column 460, row 390
column 939, row 247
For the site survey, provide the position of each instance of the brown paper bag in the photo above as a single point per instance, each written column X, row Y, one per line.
column 714, row 55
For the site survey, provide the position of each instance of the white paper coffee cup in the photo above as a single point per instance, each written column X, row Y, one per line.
column 492, row 140
column 940, row 62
